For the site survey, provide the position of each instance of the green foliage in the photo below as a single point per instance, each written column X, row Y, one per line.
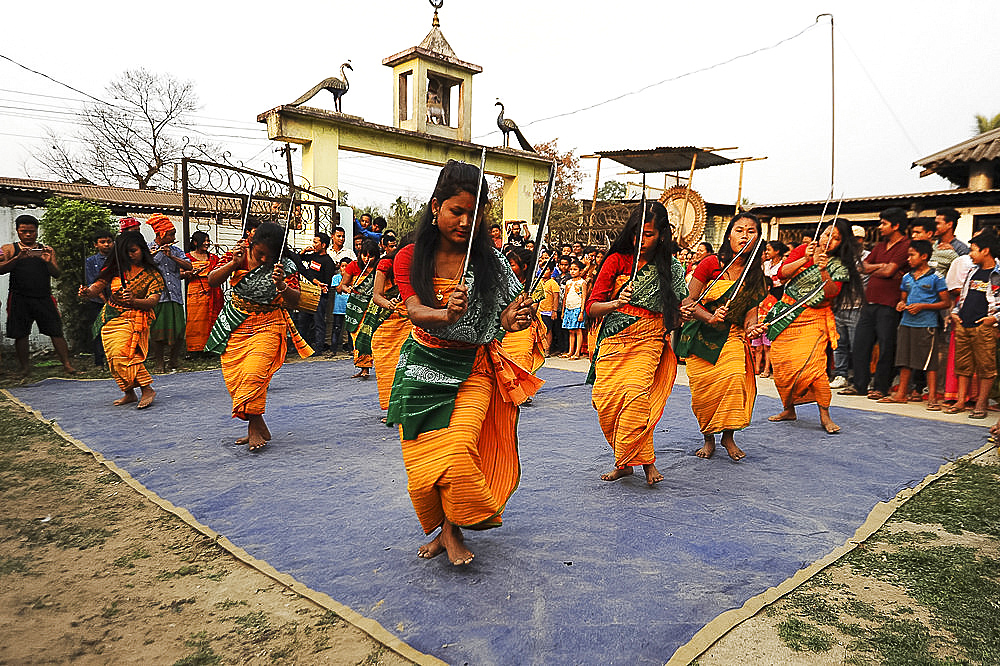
column 203, row 655
column 404, row 214
column 965, row 500
column 611, row 190
column 802, row 636
column 68, row 226
column 985, row 123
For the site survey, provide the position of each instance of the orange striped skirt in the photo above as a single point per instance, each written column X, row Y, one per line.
column 255, row 351
column 798, row 358
column 386, row 343
column 722, row 395
column 527, row 348
column 467, row 471
column 635, row 372
column 126, row 343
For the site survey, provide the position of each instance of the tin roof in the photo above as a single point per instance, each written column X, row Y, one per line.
column 952, row 163
column 665, row 159
column 134, row 199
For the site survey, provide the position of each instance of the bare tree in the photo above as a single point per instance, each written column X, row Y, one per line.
column 129, row 140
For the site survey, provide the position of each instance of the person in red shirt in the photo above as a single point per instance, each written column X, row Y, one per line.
column 885, row 266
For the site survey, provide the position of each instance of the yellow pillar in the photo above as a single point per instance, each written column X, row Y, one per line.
column 518, row 194
column 320, row 156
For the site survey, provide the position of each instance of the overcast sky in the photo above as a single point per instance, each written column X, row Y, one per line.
column 910, row 77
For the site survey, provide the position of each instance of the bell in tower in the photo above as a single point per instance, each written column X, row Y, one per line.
column 432, row 88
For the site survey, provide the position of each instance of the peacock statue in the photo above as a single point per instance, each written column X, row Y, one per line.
column 338, row 87
column 507, row 126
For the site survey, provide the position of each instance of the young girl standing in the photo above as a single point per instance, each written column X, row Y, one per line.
column 574, row 319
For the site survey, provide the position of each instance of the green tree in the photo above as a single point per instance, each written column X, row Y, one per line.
column 985, row 124
column 404, row 214
column 68, row 225
column 565, row 217
column 611, row 190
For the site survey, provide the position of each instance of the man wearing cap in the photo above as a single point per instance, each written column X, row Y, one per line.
column 846, row 318
column 29, row 299
column 168, row 328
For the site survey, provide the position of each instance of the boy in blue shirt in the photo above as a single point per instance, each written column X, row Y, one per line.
column 923, row 293
column 339, row 310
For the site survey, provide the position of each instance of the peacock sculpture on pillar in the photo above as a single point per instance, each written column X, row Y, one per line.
column 338, row 87
column 507, row 126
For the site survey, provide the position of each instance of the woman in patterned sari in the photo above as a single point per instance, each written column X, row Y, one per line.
column 359, row 281
column 392, row 330
column 719, row 368
column 634, row 368
column 815, row 276
column 527, row 347
column 456, row 393
column 250, row 332
column 203, row 301
column 136, row 284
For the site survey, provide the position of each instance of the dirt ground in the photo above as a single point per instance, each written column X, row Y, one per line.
column 92, row 572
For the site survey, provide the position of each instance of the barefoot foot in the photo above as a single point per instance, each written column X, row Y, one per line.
column 653, row 475
column 786, row 415
column 431, row 548
column 618, row 473
column 454, row 543
column 830, row 427
column 707, row 450
column 148, row 394
column 734, row 451
column 127, row 398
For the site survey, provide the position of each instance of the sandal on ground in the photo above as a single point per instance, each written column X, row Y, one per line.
column 978, row 414
column 876, row 395
column 850, row 390
column 954, row 409
column 890, row 399
column 933, row 407
column 915, row 397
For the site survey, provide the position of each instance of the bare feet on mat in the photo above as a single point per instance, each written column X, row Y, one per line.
column 265, row 433
column 148, row 395
column 787, row 415
column 708, row 450
column 127, row 398
column 454, row 543
column 829, row 426
column 735, row 452
column 431, row 548
column 257, row 433
column 618, row 473
column 653, row 475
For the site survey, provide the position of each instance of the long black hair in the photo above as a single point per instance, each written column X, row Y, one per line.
column 123, row 241
column 271, row 236
column 625, row 244
column 848, row 252
column 522, row 258
column 455, row 178
column 725, row 253
column 197, row 238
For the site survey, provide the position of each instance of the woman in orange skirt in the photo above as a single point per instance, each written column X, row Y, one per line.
column 527, row 347
column 391, row 333
column 815, row 275
column 456, row 393
column 714, row 340
column 359, row 281
column 633, row 367
column 203, row 301
column 250, row 333
column 136, row 284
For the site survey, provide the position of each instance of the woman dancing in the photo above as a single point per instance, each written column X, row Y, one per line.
column 455, row 395
column 136, row 284
column 719, row 368
column 633, row 366
column 251, row 330
column 203, row 302
column 391, row 332
column 816, row 276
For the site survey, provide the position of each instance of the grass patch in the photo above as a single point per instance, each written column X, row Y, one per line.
column 186, row 570
column 58, row 532
column 959, row 587
column 255, row 625
column 203, row 655
column 328, row 617
column 802, row 636
column 963, row 501
column 128, row 561
column 9, row 565
column 229, row 604
column 110, row 611
column 815, row 606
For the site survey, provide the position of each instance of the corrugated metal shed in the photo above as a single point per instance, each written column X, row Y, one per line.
column 953, row 163
column 664, row 159
column 25, row 190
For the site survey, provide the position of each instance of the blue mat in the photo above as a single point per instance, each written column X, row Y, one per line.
column 583, row 571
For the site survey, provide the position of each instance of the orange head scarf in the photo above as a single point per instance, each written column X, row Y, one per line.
column 161, row 224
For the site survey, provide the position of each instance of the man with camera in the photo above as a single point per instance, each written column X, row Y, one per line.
column 31, row 266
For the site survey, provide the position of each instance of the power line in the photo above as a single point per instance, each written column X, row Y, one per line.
column 64, row 85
